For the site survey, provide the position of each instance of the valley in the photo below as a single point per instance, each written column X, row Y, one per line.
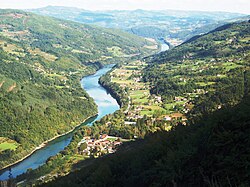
column 41, row 97
column 149, row 106
column 106, row 105
column 162, row 102
column 198, row 93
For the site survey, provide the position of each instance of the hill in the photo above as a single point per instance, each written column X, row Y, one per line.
column 173, row 25
column 85, row 43
column 42, row 60
column 209, row 69
column 211, row 73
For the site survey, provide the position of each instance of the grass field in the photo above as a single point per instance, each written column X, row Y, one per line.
column 205, row 83
column 116, row 51
column 122, row 81
column 46, row 56
column 112, row 139
column 230, row 66
column 8, row 145
column 139, row 93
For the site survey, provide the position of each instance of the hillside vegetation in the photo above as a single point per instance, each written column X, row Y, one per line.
column 211, row 74
column 208, row 71
column 42, row 60
column 211, row 152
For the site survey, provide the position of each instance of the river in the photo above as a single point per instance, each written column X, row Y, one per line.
column 164, row 45
column 106, row 105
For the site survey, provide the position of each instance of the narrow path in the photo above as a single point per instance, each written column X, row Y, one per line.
column 129, row 105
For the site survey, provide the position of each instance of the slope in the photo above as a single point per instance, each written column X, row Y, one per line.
column 210, row 152
column 208, row 71
column 42, row 61
column 213, row 148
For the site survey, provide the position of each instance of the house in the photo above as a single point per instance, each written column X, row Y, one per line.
column 177, row 98
column 129, row 123
column 158, row 99
column 167, row 118
column 104, row 136
column 176, row 115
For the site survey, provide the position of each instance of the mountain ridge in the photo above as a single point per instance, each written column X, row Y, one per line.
column 169, row 24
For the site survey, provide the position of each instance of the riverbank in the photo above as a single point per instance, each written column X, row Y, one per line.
column 45, row 143
column 114, row 90
column 165, row 45
column 106, row 104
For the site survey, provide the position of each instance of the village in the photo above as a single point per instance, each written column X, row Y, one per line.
column 98, row 147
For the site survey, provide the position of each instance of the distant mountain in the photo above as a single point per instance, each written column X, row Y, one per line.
column 206, row 28
column 211, row 72
column 169, row 24
column 42, row 60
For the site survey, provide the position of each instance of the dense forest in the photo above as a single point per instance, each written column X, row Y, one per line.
column 37, row 108
column 212, row 73
column 42, row 60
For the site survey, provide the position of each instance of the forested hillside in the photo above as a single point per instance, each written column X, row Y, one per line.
column 66, row 43
column 42, row 61
column 211, row 73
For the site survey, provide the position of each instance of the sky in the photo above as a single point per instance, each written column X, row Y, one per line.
column 240, row 6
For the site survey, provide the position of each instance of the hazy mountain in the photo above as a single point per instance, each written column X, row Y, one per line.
column 169, row 24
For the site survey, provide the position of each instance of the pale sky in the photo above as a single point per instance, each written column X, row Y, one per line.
column 240, row 6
